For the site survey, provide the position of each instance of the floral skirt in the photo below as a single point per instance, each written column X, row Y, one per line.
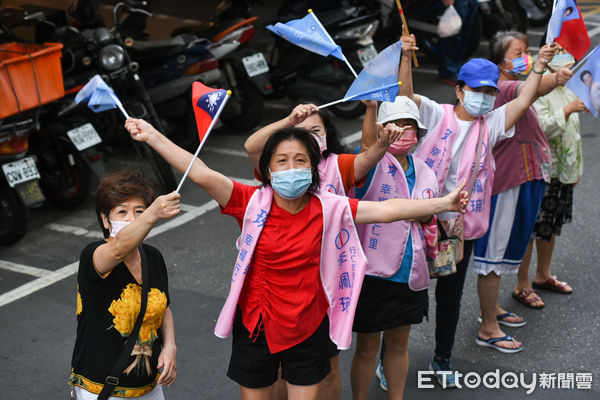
column 556, row 210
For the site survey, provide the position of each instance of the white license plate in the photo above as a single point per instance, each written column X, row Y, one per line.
column 366, row 54
column 20, row 171
column 84, row 136
column 255, row 64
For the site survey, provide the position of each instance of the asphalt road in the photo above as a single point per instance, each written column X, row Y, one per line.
column 38, row 289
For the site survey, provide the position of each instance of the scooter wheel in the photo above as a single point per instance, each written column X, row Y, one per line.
column 13, row 216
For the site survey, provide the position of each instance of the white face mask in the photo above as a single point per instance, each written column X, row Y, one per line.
column 116, row 226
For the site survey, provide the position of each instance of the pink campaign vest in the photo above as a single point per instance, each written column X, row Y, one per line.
column 342, row 269
column 436, row 151
column 331, row 179
column 384, row 244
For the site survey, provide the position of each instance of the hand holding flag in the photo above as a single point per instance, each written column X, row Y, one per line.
column 99, row 96
column 310, row 34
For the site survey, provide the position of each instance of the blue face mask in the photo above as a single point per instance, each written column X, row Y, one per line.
column 477, row 103
column 291, row 183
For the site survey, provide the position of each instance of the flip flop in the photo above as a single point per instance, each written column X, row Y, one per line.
column 553, row 285
column 500, row 318
column 523, row 298
column 491, row 342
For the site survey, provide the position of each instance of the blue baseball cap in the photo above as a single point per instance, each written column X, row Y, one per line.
column 478, row 72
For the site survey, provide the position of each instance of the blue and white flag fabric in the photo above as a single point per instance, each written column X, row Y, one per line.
column 98, row 96
column 309, row 34
column 381, row 93
column 380, row 72
column 585, row 83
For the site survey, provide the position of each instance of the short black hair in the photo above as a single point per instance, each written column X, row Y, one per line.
column 302, row 136
column 583, row 73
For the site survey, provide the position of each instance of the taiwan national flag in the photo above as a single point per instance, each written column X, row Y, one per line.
column 567, row 28
column 208, row 104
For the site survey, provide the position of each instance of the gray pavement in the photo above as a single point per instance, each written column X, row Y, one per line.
column 38, row 329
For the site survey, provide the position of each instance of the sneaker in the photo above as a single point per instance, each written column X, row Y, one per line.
column 442, row 369
column 379, row 374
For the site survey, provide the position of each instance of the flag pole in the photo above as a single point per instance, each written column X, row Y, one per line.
column 401, row 11
column 118, row 103
column 212, row 123
column 310, row 11
column 350, row 66
column 358, row 94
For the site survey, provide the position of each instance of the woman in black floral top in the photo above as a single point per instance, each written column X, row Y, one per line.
column 109, row 294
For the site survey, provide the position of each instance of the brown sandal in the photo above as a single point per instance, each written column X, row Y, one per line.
column 554, row 285
column 524, row 298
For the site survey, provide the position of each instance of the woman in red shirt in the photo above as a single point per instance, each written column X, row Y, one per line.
column 282, row 308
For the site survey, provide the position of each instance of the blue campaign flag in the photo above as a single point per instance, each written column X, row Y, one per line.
column 585, row 83
column 99, row 96
column 309, row 34
column 382, row 93
column 381, row 71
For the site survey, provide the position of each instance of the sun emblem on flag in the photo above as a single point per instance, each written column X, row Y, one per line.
column 212, row 100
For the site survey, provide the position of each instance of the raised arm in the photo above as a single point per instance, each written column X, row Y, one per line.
column 391, row 210
column 409, row 44
column 365, row 161
column 110, row 254
column 551, row 81
column 217, row 185
column 528, row 92
column 369, row 129
column 256, row 142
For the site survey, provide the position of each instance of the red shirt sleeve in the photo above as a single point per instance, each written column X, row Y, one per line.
column 353, row 207
column 238, row 202
column 346, row 166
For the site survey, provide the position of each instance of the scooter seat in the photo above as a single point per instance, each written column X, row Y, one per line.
column 147, row 50
column 206, row 30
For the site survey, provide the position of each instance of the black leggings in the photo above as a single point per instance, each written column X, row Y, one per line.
column 448, row 293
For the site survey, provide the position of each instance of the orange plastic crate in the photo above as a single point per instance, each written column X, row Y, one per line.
column 17, row 67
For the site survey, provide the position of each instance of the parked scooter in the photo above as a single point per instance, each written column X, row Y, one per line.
column 168, row 67
column 244, row 70
column 301, row 75
column 19, row 180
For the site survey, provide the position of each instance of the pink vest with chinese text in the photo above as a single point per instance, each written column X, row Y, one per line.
column 384, row 244
column 436, row 151
column 331, row 179
column 342, row 268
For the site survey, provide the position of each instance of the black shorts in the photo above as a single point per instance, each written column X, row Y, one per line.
column 252, row 364
column 384, row 305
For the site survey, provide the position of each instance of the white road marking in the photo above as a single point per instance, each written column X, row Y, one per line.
column 23, row 269
column 229, row 152
column 350, row 139
column 47, row 278
column 39, row 283
column 594, row 32
column 75, row 230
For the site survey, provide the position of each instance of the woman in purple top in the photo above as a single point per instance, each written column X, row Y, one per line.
column 523, row 166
